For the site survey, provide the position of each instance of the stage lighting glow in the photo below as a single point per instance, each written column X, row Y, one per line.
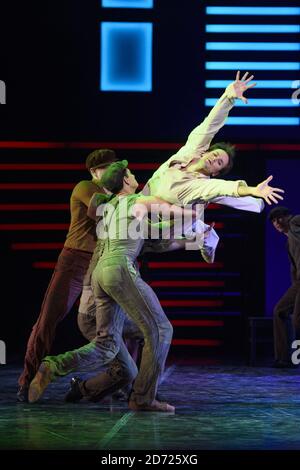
column 269, row 11
column 126, row 57
column 257, row 102
column 252, row 66
column 263, row 121
column 260, row 83
column 252, row 46
column 253, row 28
column 127, row 3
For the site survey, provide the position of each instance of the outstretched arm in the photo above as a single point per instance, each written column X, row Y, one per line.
column 201, row 190
column 237, row 88
column 262, row 190
column 201, row 137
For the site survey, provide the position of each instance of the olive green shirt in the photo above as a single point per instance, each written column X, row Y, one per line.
column 82, row 230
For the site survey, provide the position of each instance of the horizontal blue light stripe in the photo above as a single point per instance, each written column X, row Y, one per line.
column 252, row 28
column 252, row 66
column 252, row 11
column 252, row 46
column 126, row 56
column 263, row 121
column 260, row 83
column 127, row 3
column 286, row 103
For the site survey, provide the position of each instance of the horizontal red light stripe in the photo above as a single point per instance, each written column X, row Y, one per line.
column 36, row 246
column 94, row 145
column 246, row 146
column 192, row 303
column 35, row 186
column 32, row 145
column 187, row 283
column 202, row 323
column 44, row 265
column 34, row 207
column 196, row 342
column 278, row 147
column 66, row 166
column 218, row 225
column 129, row 145
column 184, row 264
column 144, row 166
column 41, row 166
column 90, row 145
column 214, row 206
column 13, row 227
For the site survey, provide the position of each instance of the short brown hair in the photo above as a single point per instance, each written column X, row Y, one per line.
column 100, row 158
column 279, row 212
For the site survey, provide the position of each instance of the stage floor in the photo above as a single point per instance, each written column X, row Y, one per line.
column 216, row 408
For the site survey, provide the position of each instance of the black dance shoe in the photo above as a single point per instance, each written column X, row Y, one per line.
column 22, row 394
column 74, row 394
column 120, row 395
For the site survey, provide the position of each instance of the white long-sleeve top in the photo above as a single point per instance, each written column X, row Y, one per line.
column 172, row 182
column 186, row 187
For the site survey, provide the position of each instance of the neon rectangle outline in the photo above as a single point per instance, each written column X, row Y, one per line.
column 219, row 10
column 252, row 28
column 105, row 84
column 127, row 4
column 263, row 121
column 257, row 102
column 252, row 46
column 260, row 84
column 252, row 65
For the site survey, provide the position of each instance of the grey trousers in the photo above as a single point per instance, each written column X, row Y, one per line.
column 102, row 324
column 88, row 313
column 116, row 281
column 287, row 307
column 106, row 350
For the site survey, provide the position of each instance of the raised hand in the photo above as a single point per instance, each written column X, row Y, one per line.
column 237, row 88
column 268, row 193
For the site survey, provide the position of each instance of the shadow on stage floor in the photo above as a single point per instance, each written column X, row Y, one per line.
column 217, row 407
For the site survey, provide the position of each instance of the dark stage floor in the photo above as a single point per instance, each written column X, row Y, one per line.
column 216, row 408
